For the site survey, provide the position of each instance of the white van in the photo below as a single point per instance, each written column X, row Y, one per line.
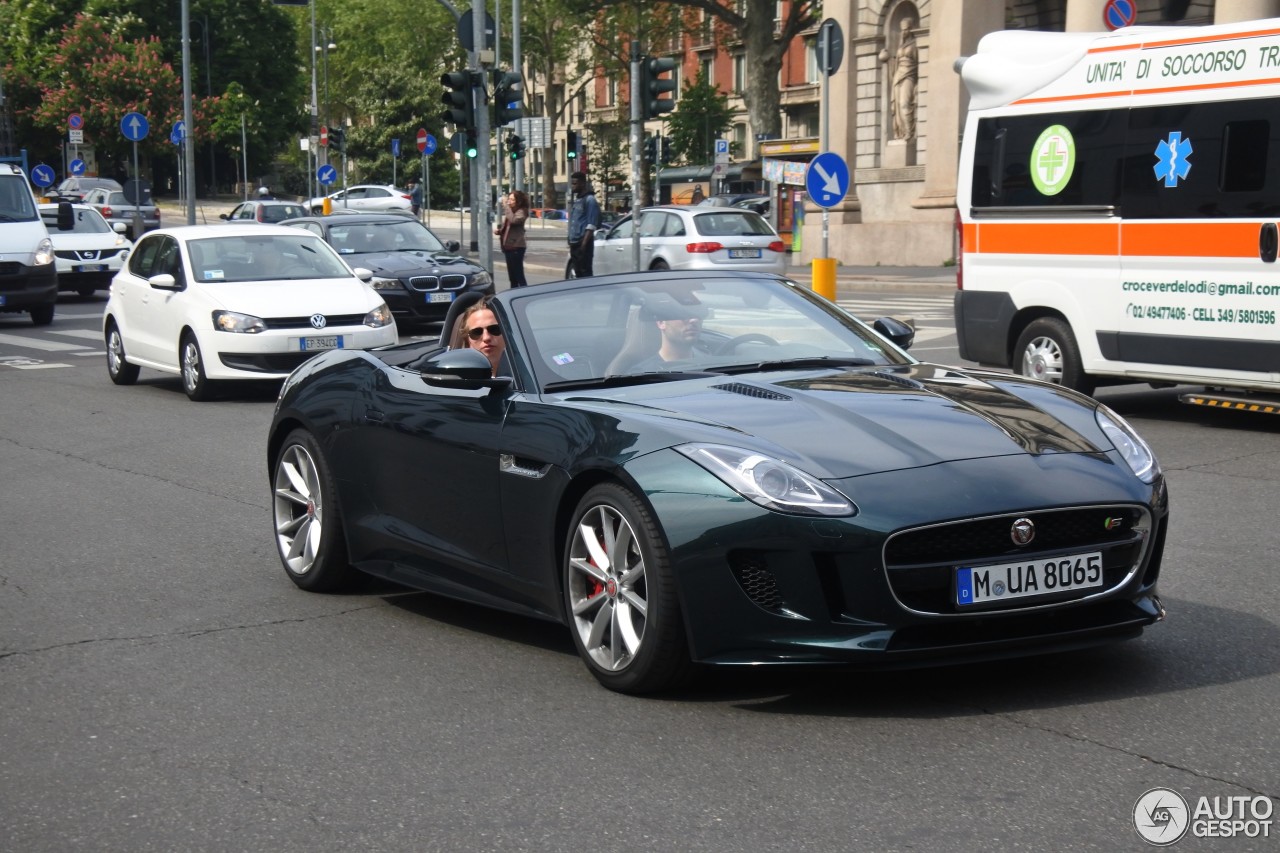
column 28, row 275
column 1118, row 199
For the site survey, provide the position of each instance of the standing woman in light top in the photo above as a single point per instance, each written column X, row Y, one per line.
column 511, row 232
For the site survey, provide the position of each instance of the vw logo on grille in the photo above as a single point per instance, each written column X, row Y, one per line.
column 1023, row 531
column 318, row 321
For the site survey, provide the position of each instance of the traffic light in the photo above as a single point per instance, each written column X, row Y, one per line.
column 338, row 140
column 507, row 95
column 515, row 146
column 461, row 112
column 571, row 145
column 653, row 86
column 667, row 154
column 651, row 149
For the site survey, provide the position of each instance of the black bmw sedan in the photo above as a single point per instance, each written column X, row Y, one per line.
column 721, row 469
column 416, row 274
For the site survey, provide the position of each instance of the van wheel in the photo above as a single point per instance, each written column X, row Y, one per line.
column 42, row 315
column 1047, row 351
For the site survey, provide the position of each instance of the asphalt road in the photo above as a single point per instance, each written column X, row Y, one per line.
column 164, row 687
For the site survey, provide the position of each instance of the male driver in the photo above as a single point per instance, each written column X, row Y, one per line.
column 679, row 333
column 584, row 219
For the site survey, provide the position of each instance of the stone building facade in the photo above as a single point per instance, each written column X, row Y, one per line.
column 901, row 138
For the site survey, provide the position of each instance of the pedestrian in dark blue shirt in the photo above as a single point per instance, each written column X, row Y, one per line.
column 584, row 219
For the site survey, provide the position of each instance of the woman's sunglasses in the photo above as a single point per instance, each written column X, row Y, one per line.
column 478, row 332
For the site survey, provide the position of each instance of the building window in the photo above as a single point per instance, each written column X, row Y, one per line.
column 812, row 73
column 739, row 74
column 740, row 140
column 709, row 70
column 610, row 95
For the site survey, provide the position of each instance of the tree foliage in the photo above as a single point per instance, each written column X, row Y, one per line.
column 702, row 115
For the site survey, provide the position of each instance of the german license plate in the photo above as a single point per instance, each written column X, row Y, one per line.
column 330, row 342
column 439, row 297
column 744, row 253
column 89, row 268
column 1011, row 581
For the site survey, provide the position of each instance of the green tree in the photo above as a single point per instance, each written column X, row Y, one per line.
column 702, row 115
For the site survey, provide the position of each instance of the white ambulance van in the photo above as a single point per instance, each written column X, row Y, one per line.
column 28, row 274
column 1118, row 200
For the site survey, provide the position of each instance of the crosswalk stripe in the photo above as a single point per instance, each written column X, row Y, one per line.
column 87, row 334
column 38, row 343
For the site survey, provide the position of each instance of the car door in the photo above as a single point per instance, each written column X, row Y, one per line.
column 165, row 310
column 653, row 242
column 356, row 198
column 134, row 294
column 376, row 198
column 428, row 467
column 613, row 249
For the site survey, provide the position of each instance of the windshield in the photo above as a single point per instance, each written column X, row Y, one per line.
column 85, row 220
column 651, row 331
column 360, row 238
column 261, row 257
column 16, row 204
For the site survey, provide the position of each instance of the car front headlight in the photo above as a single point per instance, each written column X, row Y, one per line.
column 378, row 317
column 1136, row 452
column 480, row 279
column 44, row 252
column 769, row 482
column 380, row 283
column 233, row 321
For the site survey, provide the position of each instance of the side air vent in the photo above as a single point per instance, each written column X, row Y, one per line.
column 897, row 380
column 753, row 575
column 751, row 391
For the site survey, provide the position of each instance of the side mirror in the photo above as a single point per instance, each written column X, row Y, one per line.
column 896, row 331
column 363, row 274
column 165, row 281
column 119, row 227
column 224, row 216
column 461, row 368
column 452, row 246
column 66, row 217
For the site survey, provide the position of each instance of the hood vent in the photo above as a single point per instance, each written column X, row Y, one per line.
column 751, row 391
column 897, row 380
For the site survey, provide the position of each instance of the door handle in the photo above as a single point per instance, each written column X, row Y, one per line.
column 1268, row 242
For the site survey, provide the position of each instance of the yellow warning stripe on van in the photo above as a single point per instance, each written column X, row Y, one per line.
column 1128, row 239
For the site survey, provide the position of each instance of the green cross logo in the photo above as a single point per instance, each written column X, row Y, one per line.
column 1053, row 159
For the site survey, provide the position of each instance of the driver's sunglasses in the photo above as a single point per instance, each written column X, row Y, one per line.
column 478, row 332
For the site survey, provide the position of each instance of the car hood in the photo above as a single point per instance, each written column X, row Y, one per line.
column 862, row 421
column 81, row 242
column 293, row 298
column 402, row 264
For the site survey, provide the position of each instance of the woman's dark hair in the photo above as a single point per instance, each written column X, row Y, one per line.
column 522, row 199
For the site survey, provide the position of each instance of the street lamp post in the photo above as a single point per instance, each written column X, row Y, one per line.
column 203, row 21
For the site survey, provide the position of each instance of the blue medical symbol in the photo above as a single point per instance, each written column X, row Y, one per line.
column 1171, row 159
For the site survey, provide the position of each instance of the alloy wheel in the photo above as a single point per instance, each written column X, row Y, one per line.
column 608, row 593
column 298, row 506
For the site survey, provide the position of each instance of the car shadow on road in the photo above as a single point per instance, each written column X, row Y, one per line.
column 498, row 624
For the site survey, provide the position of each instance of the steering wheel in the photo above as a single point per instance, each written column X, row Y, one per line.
column 749, row 338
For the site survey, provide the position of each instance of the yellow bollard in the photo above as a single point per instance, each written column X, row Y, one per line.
column 326, row 206
column 824, row 278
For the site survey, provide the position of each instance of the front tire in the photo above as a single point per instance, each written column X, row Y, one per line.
column 118, row 367
column 308, row 523
column 42, row 315
column 194, row 381
column 620, row 595
column 1047, row 350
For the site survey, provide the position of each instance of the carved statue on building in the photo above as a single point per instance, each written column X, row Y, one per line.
column 906, row 72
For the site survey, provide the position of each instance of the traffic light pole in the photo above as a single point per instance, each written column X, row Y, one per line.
column 637, row 131
column 480, row 174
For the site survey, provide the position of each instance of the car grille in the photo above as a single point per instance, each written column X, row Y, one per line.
column 88, row 255
column 920, row 564
column 331, row 320
column 265, row 363
column 425, row 283
column 10, row 268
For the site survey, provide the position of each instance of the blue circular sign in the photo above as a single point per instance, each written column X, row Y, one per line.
column 326, row 174
column 77, row 167
column 75, row 121
column 430, row 147
column 42, row 175
column 134, row 126
column 827, row 179
column 178, row 133
column 1119, row 13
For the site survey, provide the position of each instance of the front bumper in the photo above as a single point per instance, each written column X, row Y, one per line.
column 758, row 587
column 274, row 354
column 22, row 286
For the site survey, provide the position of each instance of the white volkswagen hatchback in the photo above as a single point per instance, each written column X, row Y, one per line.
column 211, row 303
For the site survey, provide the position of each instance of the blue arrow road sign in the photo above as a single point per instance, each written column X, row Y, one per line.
column 395, row 148
column 134, row 126
column 326, row 174
column 178, row 133
column 430, row 147
column 42, row 175
column 827, row 179
column 77, row 167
